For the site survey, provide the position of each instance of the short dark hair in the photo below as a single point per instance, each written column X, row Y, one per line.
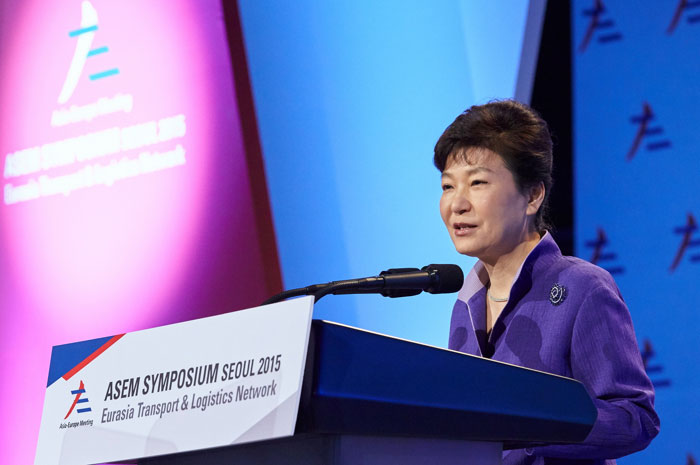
column 512, row 130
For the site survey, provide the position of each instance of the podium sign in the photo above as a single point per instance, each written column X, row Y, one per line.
column 205, row 383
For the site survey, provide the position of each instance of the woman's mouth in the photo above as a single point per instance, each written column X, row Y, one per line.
column 463, row 229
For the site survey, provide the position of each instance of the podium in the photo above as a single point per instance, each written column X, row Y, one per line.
column 373, row 399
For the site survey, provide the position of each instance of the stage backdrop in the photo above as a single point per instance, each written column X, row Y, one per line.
column 126, row 199
column 351, row 97
column 636, row 112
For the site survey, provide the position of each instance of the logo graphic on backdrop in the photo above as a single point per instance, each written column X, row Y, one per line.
column 600, row 25
column 693, row 16
column 655, row 134
column 98, row 157
column 79, row 399
column 687, row 242
column 85, row 36
column 651, row 369
column 600, row 257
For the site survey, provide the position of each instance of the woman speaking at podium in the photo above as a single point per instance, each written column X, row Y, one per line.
column 525, row 303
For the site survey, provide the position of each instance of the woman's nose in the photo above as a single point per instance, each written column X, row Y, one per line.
column 460, row 203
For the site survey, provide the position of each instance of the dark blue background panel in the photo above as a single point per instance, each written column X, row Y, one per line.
column 637, row 196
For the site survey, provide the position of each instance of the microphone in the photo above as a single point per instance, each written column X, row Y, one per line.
column 403, row 282
column 394, row 282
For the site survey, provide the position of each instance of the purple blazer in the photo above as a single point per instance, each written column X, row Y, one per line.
column 566, row 316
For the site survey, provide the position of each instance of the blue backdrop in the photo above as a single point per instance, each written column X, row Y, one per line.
column 637, row 106
column 351, row 98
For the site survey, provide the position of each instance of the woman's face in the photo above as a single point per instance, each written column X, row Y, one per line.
column 485, row 212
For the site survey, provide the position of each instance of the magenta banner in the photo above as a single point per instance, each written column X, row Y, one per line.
column 126, row 193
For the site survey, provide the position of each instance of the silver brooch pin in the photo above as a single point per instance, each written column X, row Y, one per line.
column 557, row 294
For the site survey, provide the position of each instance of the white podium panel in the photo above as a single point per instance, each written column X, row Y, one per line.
column 227, row 379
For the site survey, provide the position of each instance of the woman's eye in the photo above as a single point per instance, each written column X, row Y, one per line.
column 476, row 182
column 446, row 187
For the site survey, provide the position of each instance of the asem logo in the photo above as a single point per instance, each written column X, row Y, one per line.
column 79, row 399
column 647, row 354
column 599, row 256
column 598, row 22
column 687, row 241
column 85, row 35
column 646, row 129
column 681, row 8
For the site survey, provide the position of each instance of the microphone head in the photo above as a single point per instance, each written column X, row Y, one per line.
column 447, row 278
